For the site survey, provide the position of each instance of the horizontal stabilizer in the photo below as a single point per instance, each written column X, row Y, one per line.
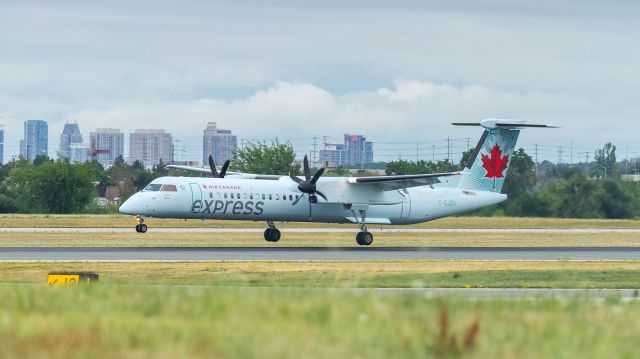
column 503, row 123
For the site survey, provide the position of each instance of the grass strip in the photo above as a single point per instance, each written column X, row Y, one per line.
column 179, row 321
column 328, row 274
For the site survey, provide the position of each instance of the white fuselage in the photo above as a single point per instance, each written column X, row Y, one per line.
column 272, row 200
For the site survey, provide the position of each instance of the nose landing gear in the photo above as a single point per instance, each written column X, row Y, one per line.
column 140, row 227
column 271, row 234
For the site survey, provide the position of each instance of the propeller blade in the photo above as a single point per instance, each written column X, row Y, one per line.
column 317, row 175
column 212, row 165
column 322, row 195
column 223, row 170
column 297, row 200
column 295, row 179
column 307, row 171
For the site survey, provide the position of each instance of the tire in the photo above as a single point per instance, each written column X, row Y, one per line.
column 143, row 228
column 267, row 234
column 366, row 239
column 275, row 235
column 359, row 238
column 138, row 228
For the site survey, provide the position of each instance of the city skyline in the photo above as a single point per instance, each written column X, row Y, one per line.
column 439, row 149
column 177, row 67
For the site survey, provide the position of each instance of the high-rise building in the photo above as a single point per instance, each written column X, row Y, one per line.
column 355, row 151
column 106, row 145
column 79, row 152
column 150, row 147
column 1, row 144
column 219, row 143
column 70, row 135
column 333, row 155
column 359, row 151
column 36, row 139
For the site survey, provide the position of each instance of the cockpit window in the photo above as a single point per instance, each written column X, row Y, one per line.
column 169, row 188
column 153, row 187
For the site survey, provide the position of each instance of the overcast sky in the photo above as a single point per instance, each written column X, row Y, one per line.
column 396, row 71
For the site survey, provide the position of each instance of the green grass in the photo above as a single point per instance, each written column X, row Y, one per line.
column 109, row 221
column 110, row 321
column 414, row 274
column 307, row 309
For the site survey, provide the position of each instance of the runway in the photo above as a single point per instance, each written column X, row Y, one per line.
column 180, row 254
column 354, row 230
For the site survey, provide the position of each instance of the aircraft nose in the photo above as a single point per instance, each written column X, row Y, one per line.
column 131, row 206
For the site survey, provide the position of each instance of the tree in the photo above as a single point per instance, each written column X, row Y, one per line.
column 465, row 157
column 616, row 201
column 605, row 158
column 521, row 177
column 259, row 157
column 402, row 167
column 40, row 159
column 160, row 170
column 51, row 187
column 576, row 197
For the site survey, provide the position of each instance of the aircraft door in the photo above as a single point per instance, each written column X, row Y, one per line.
column 196, row 196
column 406, row 204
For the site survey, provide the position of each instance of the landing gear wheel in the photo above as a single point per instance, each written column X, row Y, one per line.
column 141, row 228
column 364, row 238
column 272, row 234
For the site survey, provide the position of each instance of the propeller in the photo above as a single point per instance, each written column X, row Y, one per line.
column 308, row 185
column 214, row 171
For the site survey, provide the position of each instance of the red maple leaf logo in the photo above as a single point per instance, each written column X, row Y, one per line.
column 495, row 163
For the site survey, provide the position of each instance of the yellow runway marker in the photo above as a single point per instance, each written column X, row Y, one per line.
column 68, row 278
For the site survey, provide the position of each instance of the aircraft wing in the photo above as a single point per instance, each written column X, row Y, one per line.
column 229, row 173
column 192, row 169
column 388, row 183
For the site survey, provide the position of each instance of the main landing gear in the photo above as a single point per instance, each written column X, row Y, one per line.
column 140, row 227
column 271, row 234
column 364, row 237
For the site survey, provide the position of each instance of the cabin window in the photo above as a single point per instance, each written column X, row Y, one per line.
column 250, row 195
column 244, row 195
column 153, row 187
column 238, row 195
column 169, row 188
column 270, row 196
column 264, row 197
column 290, row 198
column 277, row 197
column 225, row 196
column 210, row 194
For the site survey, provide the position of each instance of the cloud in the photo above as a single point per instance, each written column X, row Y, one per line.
column 409, row 111
column 396, row 71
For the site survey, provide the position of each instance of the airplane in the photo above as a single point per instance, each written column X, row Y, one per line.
column 363, row 201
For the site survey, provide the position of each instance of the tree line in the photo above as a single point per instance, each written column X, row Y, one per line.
column 58, row 186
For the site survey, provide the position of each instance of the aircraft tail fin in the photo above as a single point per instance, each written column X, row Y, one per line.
column 488, row 164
